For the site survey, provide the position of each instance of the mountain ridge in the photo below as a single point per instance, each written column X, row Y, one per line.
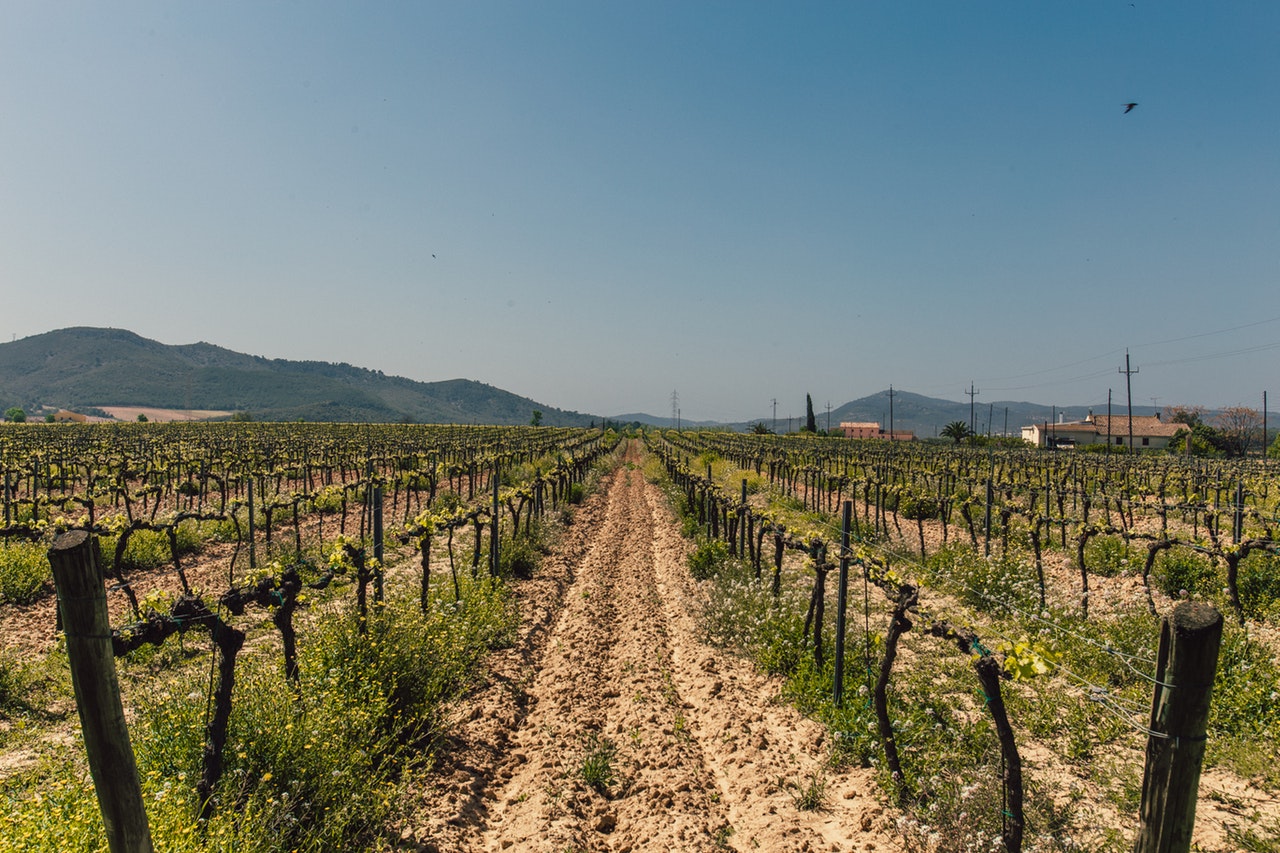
column 88, row 367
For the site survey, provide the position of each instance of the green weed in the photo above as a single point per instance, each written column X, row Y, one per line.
column 24, row 572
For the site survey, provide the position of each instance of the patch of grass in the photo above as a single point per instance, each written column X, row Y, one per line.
column 1179, row 569
column 812, row 794
column 596, row 766
column 741, row 612
column 1109, row 556
column 520, row 556
column 1259, row 838
column 24, row 572
column 316, row 766
column 986, row 584
column 1244, row 714
column 708, row 559
column 1259, row 585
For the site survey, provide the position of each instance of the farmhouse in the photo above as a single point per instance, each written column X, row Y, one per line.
column 1149, row 432
column 872, row 429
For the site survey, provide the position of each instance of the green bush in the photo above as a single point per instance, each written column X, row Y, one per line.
column 10, row 681
column 316, row 767
column 983, row 583
column 918, row 507
column 708, row 559
column 1108, row 556
column 146, row 549
column 577, row 493
column 1178, row 569
column 1244, row 713
column 518, row 557
column 741, row 612
column 1258, row 583
column 24, row 572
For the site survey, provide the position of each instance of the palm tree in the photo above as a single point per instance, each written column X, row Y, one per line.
column 957, row 431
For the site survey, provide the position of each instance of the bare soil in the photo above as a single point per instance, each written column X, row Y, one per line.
column 700, row 753
column 130, row 413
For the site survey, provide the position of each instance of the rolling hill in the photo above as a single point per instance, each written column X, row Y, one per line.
column 87, row 368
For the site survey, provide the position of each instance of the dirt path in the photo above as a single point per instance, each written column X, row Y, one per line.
column 693, row 749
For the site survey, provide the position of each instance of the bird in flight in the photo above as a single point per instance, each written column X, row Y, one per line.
column 1129, row 107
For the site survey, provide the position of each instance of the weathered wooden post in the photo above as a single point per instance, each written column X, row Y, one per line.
column 378, row 591
column 842, row 597
column 82, row 600
column 496, row 519
column 1189, row 641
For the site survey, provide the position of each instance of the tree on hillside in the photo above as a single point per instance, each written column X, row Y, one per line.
column 536, row 420
column 1189, row 415
column 810, row 422
column 15, row 415
column 957, row 431
column 1241, row 426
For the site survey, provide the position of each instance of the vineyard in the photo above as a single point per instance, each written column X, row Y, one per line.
column 1034, row 583
column 301, row 616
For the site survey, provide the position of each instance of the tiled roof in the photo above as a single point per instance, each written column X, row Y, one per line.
column 1143, row 425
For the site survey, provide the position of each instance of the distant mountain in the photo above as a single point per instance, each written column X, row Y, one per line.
column 88, row 368
column 663, row 421
column 926, row 416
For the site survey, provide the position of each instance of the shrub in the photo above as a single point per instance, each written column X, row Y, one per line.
column 1179, row 569
column 518, row 557
column 918, row 507
column 983, row 583
column 1108, row 556
column 577, row 493
column 1259, row 585
column 24, row 572
column 10, row 681
column 708, row 559
column 741, row 612
column 1245, row 708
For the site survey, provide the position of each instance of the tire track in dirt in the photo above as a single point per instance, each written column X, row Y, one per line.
column 701, row 757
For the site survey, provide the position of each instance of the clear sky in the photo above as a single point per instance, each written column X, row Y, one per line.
column 596, row 203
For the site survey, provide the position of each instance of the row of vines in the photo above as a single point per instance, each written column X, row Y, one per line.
column 224, row 530
column 1024, row 550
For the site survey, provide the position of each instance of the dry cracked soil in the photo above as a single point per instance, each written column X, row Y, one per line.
column 611, row 726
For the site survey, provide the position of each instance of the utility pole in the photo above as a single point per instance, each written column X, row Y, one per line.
column 972, row 392
column 828, row 416
column 1006, row 421
column 991, row 411
column 891, row 396
column 675, row 410
column 1128, row 387
column 775, row 414
column 1108, row 420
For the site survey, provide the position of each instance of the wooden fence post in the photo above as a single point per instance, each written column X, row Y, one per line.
column 1189, row 641
column 842, row 597
column 82, row 600
column 494, row 536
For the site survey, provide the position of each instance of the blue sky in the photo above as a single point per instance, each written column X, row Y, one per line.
column 595, row 204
